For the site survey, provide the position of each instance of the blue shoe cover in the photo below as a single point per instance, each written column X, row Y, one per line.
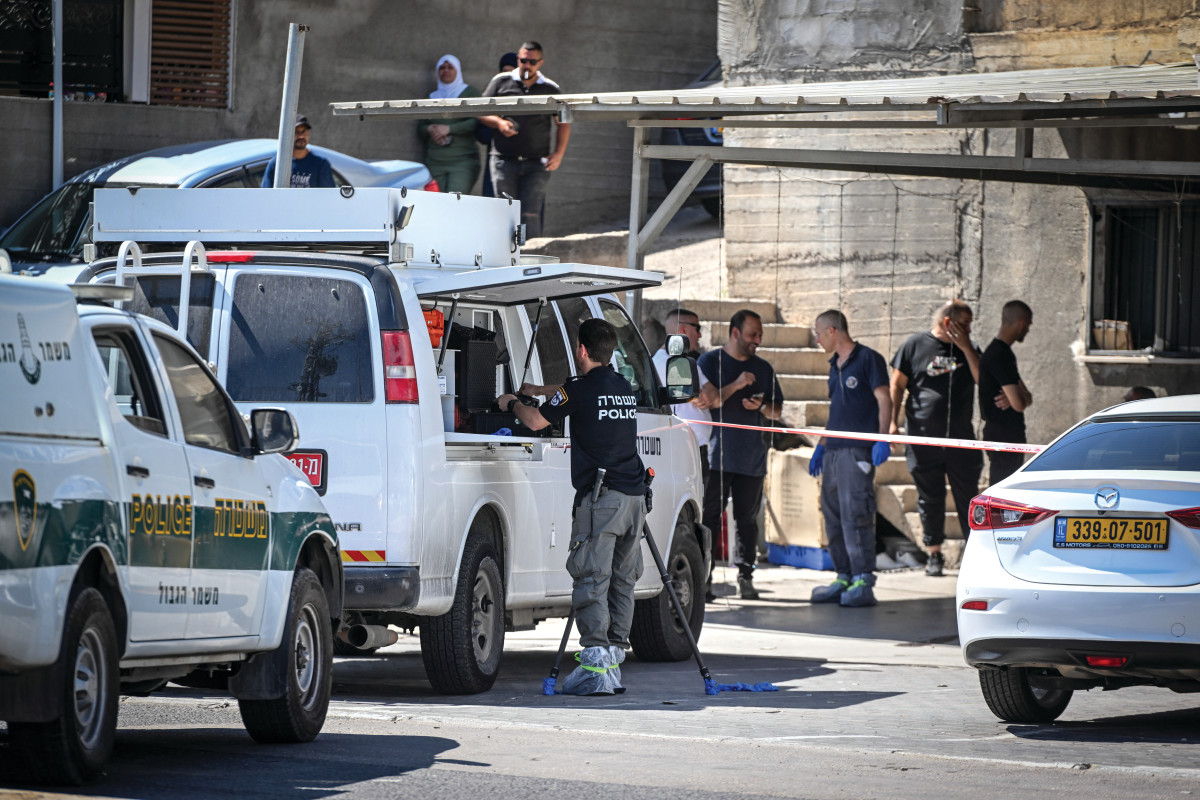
column 832, row 592
column 860, row 593
column 592, row 676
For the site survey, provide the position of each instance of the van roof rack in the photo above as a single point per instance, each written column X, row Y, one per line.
column 416, row 228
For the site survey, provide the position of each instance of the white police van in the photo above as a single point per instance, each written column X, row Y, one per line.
column 146, row 535
column 388, row 322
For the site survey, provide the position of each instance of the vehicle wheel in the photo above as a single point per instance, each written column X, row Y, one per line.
column 712, row 205
column 657, row 634
column 75, row 747
column 1012, row 699
column 298, row 715
column 462, row 648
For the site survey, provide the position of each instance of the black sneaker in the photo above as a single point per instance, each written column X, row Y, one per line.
column 746, row 587
column 935, row 565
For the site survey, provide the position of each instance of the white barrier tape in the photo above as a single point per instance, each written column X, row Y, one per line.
column 933, row 441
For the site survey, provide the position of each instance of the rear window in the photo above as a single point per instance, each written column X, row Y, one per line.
column 157, row 296
column 1170, row 445
column 299, row 339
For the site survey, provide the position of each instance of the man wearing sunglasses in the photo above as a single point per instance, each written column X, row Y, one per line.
column 522, row 154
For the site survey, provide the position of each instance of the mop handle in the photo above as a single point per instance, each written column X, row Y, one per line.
column 662, row 571
column 562, row 646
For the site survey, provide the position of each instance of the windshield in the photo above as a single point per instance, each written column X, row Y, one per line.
column 51, row 230
column 1171, row 445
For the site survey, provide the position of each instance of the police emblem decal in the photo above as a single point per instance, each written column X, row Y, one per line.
column 31, row 368
column 24, row 506
column 851, row 382
column 559, row 397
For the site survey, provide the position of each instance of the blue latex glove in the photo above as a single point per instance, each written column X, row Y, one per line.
column 880, row 452
column 817, row 462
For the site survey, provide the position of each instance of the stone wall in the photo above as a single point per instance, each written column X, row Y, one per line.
column 887, row 249
column 377, row 49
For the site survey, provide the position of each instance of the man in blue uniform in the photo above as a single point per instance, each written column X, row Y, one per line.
column 605, row 559
column 738, row 458
column 309, row 170
column 859, row 401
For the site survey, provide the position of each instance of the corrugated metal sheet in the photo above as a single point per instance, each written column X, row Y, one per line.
column 1125, row 89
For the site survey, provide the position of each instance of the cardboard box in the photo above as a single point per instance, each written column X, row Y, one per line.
column 1111, row 334
column 793, row 507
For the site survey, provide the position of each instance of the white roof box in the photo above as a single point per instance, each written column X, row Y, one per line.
column 415, row 227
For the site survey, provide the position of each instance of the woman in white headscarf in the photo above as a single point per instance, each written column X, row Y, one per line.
column 451, row 152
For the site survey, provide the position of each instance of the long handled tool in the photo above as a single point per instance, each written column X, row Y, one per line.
column 710, row 686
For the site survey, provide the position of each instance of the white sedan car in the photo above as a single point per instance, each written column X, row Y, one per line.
column 1083, row 568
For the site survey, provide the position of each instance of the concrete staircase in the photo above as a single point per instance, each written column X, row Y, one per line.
column 803, row 372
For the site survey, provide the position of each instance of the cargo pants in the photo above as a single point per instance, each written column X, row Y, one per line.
column 605, row 562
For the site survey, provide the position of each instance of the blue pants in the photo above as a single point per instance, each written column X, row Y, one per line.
column 848, row 503
column 525, row 181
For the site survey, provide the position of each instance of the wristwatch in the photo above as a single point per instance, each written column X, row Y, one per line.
column 511, row 403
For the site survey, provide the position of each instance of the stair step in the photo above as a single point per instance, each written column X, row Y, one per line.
column 713, row 311
column 804, row 387
column 805, row 413
column 796, row 361
column 914, row 523
column 774, row 335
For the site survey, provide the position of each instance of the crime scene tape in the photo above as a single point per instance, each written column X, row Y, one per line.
column 933, row 441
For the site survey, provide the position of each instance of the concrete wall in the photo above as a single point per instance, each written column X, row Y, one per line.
column 888, row 249
column 387, row 49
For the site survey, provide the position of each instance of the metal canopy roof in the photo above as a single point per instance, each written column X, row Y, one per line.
column 1078, row 91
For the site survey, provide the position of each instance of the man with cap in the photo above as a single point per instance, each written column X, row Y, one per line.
column 308, row 169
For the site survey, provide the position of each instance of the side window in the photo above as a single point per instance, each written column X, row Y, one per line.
column 157, row 296
column 130, row 378
column 631, row 358
column 573, row 311
column 552, row 350
column 208, row 418
column 298, row 338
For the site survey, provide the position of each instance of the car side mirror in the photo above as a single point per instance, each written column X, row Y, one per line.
column 273, row 430
column 677, row 344
column 683, row 380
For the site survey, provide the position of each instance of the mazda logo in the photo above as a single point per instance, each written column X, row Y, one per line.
column 1107, row 498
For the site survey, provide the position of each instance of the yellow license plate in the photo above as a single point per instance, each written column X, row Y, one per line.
column 1111, row 534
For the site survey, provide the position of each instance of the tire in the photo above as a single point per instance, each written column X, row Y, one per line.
column 462, row 648
column 299, row 714
column 1010, row 696
column 657, row 634
column 74, row 748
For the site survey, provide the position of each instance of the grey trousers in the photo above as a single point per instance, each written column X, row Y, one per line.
column 605, row 562
column 848, row 503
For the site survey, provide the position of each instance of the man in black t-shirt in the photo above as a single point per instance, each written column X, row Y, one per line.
column 520, row 158
column 605, row 559
column 939, row 368
column 1003, row 396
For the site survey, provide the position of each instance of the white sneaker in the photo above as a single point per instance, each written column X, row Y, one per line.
column 885, row 562
column 907, row 559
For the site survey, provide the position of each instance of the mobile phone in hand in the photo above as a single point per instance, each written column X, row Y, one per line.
column 758, row 396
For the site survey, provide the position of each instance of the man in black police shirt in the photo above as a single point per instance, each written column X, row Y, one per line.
column 605, row 558
column 1003, row 396
column 520, row 158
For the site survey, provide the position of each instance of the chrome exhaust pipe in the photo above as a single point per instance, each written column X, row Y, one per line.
column 370, row 637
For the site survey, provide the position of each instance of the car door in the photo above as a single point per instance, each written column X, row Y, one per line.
column 555, row 362
column 665, row 450
column 157, row 483
column 231, row 502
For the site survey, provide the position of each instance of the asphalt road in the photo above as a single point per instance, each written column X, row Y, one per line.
column 872, row 703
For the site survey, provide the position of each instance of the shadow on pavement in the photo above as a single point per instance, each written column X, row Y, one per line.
column 1179, row 726
column 674, row 686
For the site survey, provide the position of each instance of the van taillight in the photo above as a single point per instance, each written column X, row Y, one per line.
column 399, row 371
column 992, row 512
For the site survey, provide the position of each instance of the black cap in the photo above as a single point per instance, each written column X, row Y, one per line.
column 302, row 120
column 508, row 60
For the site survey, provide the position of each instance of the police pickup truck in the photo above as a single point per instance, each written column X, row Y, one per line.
column 146, row 535
column 388, row 322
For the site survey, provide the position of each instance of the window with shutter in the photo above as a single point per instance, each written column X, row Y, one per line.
column 190, row 53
